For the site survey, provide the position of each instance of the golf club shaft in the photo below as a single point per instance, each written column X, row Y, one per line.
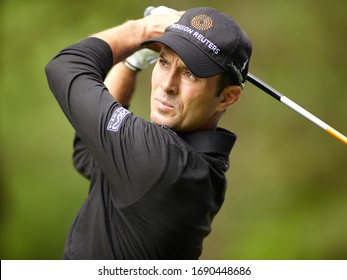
column 286, row 101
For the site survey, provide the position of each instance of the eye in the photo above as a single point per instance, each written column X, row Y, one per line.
column 163, row 62
column 189, row 75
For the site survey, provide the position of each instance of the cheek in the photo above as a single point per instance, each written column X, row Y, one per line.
column 197, row 110
column 154, row 79
column 200, row 104
column 156, row 76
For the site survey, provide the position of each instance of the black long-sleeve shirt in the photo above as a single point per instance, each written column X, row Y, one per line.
column 153, row 193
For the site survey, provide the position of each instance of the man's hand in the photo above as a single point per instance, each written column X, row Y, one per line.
column 125, row 39
column 142, row 58
column 161, row 10
column 160, row 18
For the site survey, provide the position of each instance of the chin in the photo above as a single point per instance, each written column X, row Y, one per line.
column 158, row 120
column 161, row 123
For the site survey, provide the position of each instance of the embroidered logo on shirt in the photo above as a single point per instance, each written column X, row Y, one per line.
column 116, row 119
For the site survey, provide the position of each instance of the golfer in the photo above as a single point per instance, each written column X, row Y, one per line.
column 155, row 186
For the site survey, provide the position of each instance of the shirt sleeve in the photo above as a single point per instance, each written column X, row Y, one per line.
column 83, row 161
column 131, row 152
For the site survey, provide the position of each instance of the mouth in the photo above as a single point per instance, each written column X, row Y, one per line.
column 164, row 104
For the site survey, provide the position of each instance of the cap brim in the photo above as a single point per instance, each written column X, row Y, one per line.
column 196, row 60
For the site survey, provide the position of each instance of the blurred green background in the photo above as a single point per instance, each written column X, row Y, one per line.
column 287, row 196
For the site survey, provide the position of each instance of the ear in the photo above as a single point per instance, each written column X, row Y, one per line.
column 229, row 96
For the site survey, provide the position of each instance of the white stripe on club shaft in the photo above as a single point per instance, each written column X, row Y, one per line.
column 291, row 104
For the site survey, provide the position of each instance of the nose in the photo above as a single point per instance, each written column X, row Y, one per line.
column 170, row 83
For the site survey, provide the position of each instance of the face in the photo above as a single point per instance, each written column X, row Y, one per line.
column 180, row 100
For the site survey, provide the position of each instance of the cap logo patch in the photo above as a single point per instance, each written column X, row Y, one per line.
column 202, row 22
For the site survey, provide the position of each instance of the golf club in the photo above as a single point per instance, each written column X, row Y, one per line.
column 286, row 101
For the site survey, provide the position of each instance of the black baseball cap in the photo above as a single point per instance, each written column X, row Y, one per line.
column 209, row 42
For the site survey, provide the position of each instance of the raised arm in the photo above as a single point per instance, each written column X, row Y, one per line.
column 135, row 31
column 121, row 80
column 76, row 77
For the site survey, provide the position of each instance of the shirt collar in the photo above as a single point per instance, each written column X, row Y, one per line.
column 220, row 141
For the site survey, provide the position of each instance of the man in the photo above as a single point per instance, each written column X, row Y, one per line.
column 154, row 186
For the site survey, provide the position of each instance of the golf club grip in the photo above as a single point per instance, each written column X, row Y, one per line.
column 148, row 11
column 263, row 86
